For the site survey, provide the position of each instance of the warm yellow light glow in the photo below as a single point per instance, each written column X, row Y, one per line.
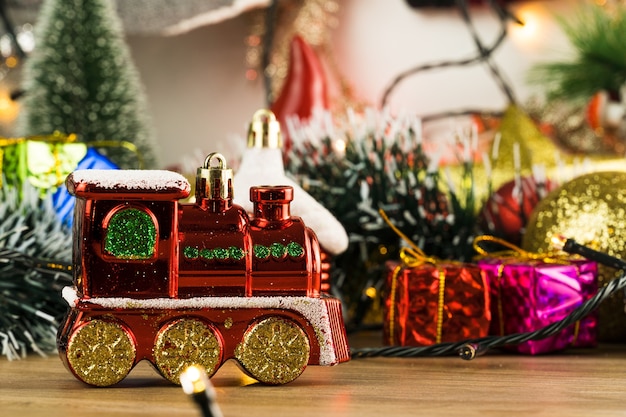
column 11, row 62
column 530, row 33
column 193, row 379
column 529, row 28
column 371, row 292
column 558, row 242
column 340, row 146
column 8, row 108
column 247, row 380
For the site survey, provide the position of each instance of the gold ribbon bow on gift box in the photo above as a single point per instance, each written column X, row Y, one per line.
column 515, row 251
column 412, row 257
column 46, row 160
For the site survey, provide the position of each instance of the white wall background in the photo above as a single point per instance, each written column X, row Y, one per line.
column 200, row 97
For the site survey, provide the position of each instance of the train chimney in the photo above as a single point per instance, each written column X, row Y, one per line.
column 272, row 205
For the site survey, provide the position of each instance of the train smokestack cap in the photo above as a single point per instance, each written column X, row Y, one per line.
column 277, row 194
column 214, row 182
column 264, row 131
column 271, row 203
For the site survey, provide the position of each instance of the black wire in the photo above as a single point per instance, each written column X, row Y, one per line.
column 466, row 112
column 489, row 342
column 484, row 53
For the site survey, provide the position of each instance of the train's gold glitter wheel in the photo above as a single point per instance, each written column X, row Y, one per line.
column 274, row 351
column 591, row 209
column 187, row 342
column 101, row 353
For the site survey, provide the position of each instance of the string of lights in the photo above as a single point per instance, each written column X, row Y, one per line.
column 471, row 348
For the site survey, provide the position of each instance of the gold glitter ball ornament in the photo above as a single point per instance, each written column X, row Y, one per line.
column 592, row 210
column 101, row 353
column 274, row 351
column 187, row 342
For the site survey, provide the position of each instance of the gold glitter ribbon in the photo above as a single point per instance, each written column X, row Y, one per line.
column 500, row 307
column 576, row 332
column 515, row 251
column 413, row 257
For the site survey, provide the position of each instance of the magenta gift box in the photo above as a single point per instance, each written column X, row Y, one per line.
column 528, row 295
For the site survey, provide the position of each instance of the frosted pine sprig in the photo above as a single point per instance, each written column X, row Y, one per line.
column 382, row 164
column 30, row 293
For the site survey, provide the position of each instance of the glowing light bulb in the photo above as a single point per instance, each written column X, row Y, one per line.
column 532, row 31
column 529, row 28
column 8, row 108
column 195, row 383
column 339, row 146
column 192, row 380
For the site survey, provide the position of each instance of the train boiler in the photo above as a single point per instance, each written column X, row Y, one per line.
column 178, row 283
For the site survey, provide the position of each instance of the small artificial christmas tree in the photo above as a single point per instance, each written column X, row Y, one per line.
column 80, row 79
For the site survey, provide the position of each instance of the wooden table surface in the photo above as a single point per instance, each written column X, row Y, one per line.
column 589, row 382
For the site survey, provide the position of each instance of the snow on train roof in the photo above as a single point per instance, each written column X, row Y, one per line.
column 110, row 181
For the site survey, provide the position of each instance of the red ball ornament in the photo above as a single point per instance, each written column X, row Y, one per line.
column 506, row 212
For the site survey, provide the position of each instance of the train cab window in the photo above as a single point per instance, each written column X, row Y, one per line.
column 130, row 234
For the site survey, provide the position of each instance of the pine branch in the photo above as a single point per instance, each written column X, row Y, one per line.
column 30, row 302
column 384, row 166
column 599, row 60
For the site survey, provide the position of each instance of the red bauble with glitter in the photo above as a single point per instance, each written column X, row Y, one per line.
column 507, row 210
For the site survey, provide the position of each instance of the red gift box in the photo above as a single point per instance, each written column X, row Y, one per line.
column 530, row 291
column 429, row 301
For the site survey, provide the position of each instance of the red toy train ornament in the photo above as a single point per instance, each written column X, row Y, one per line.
column 193, row 283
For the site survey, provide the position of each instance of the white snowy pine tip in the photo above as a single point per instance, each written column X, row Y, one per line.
column 429, row 183
column 313, row 309
column 450, row 180
column 145, row 180
column 495, row 148
column 539, row 173
column 11, row 348
column 487, row 165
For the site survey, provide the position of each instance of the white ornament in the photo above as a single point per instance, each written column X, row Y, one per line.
column 262, row 164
